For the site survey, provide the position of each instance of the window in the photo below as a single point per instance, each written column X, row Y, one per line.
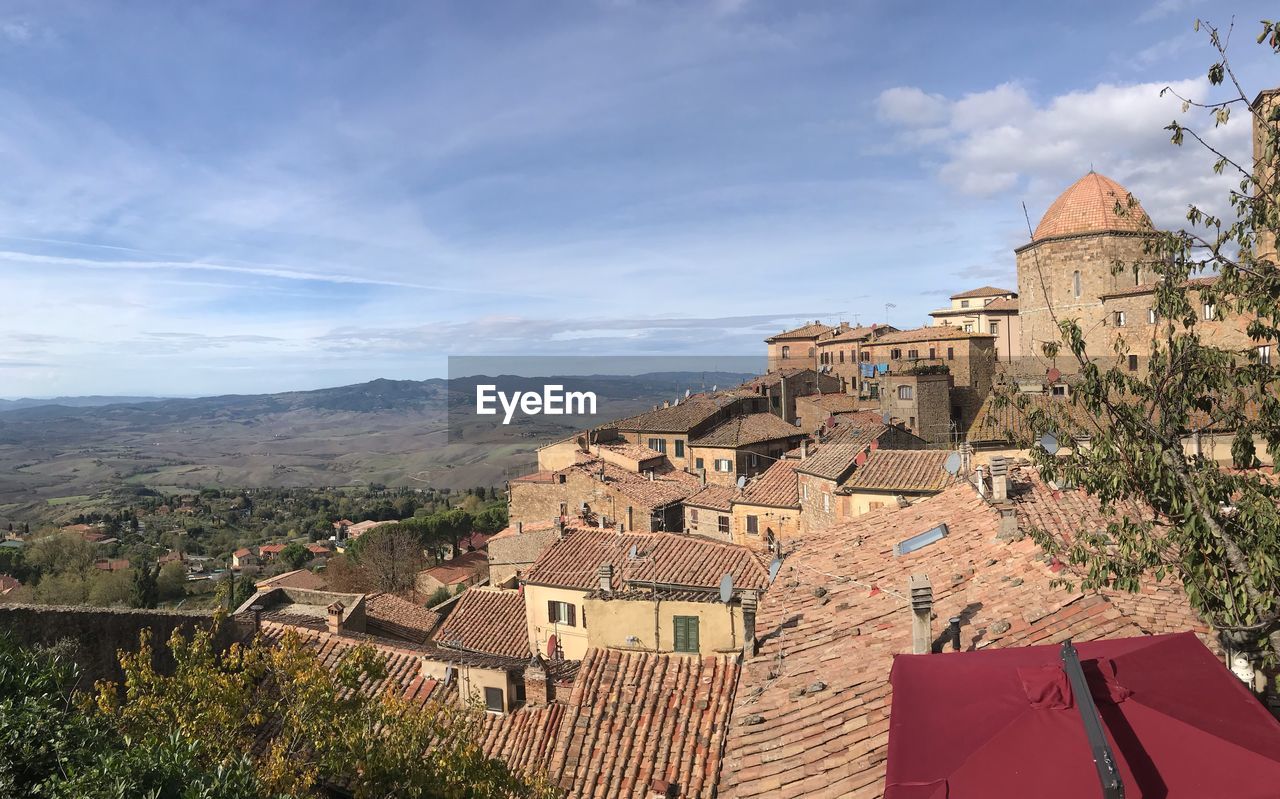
column 753, row 525
column 964, row 303
column 804, row 491
column 951, row 353
column 895, row 354
column 1120, row 319
column 932, row 353
column 811, row 352
column 994, row 327
column 968, row 327
column 693, row 517
column 1264, row 355
column 493, row 700
column 658, row 445
column 776, row 402
column 1210, row 312
column 686, row 633
column 1075, row 284
column 679, row 447
column 562, row 613
column 1151, row 316
column 911, row 422
column 904, row 392
column 722, row 524
column 786, row 352
column 724, row 465
column 826, row 501
column 1059, row 390
column 842, row 356
column 698, row 463
column 924, row 539
column 913, row 354
column 1137, row 275
column 864, row 355
column 1133, row 363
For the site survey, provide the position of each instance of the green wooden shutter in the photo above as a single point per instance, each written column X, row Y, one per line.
column 686, row 633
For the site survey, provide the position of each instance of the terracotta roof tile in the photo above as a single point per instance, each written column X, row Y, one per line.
column 902, row 470
column 811, row 330
column 750, row 428
column 299, row 578
column 459, row 569
column 1089, row 206
column 834, row 457
column 840, row 403
column 487, row 620
column 679, row 418
column 982, row 291
column 715, row 497
column 934, row 333
column 389, row 615
column 776, row 487
column 668, row 559
column 812, row 713
column 1001, row 304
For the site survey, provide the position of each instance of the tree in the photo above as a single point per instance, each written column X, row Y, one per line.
column 146, row 591
column 390, row 556
column 295, row 556
column 1217, row 531
column 172, row 581
column 60, row 553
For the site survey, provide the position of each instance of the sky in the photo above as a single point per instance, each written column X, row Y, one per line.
column 244, row 197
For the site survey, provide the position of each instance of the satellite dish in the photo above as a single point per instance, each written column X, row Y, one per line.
column 1054, row 375
column 773, row 569
column 1049, row 442
column 713, row 389
column 448, row 674
column 885, row 418
column 726, row 588
column 687, row 391
column 632, row 552
column 742, row 482
column 952, row 463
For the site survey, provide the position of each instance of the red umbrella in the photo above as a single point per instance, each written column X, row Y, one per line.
column 1004, row 723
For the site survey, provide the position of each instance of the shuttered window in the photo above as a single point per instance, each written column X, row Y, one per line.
column 561, row 613
column 686, row 633
column 493, row 700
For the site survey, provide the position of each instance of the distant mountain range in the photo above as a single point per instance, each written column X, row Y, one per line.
column 384, row 431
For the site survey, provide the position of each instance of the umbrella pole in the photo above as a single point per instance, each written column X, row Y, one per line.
column 1103, row 759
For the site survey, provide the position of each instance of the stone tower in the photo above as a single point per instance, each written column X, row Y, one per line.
column 1066, row 268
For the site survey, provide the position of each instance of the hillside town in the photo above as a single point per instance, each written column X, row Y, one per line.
column 714, row 597
column 880, row 568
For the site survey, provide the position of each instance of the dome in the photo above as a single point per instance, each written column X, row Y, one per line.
column 1089, row 206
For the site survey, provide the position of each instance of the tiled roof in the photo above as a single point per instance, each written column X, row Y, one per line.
column 679, row 418
column 527, row 527
column 459, row 569
column 716, row 497
column 982, row 291
column 487, row 620
column 902, row 470
column 852, row 334
column 390, row 616
column 667, row 559
column 667, row 486
column 1001, row 304
column 544, row 476
column 525, row 739
column 775, row 488
column 832, row 458
column 633, row 451
column 1005, row 422
column 811, row 330
column 272, row 548
column 935, row 333
column 299, row 578
column 812, row 714
column 750, row 428
column 1088, row 206
column 637, row 722
column 836, row 403
column 1148, row 288
column 243, row 552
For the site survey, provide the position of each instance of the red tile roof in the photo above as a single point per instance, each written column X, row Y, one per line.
column 840, row 403
column 679, row 418
column 667, row 487
column 811, row 330
column 9, row 584
column 776, row 487
column 982, row 291
column 487, row 620
column 750, row 428
column 667, row 559
column 901, row 470
column 715, row 497
column 934, row 333
column 1090, row 206
column 1001, row 304
column 390, row 616
column 834, row 457
column 812, row 713
column 459, row 569
column 272, row 548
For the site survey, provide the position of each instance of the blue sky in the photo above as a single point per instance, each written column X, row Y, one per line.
column 231, row 197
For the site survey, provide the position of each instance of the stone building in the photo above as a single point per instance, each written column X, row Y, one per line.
column 767, row 510
column 797, row 348
column 709, row 512
column 779, row 392
column 986, row 310
column 604, row 494
column 841, row 353
column 743, row 446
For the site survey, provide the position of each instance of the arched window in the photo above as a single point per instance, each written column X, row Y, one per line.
column 1137, row 275
column 1075, row 283
column 786, row 352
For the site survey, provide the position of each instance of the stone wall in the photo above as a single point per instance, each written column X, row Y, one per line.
column 544, row 501
column 96, row 634
column 927, row 412
column 514, row 554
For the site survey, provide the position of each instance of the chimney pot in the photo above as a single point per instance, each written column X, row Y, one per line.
column 955, row 633
column 749, row 624
column 606, row 578
column 335, row 617
column 921, row 592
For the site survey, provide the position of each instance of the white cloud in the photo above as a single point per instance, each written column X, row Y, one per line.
column 1005, row 141
column 911, row 107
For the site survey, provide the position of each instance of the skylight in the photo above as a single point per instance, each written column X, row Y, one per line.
column 920, row 541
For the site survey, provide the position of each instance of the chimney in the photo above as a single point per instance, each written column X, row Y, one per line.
column 955, row 633
column 335, row 617
column 536, row 683
column 606, row 578
column 999, row 479
column 921, row 591
column 621, row 529
column 748, row 624
column 1008, row 530
column 560, row 528
column 804, row 449
column 702, row 476
column 519, row 528
column 257, row 617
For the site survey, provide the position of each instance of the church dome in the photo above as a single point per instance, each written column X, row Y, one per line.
column 1089, row 206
